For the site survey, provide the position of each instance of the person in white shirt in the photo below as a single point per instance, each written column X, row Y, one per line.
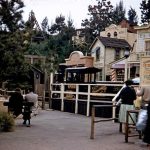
column 136, row 79
column 30, row 97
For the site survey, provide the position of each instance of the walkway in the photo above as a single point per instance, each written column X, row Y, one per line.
column 54, row 130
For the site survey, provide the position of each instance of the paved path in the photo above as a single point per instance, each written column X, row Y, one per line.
column 55, row 130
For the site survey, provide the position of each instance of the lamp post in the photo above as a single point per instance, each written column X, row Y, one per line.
column 126, row 55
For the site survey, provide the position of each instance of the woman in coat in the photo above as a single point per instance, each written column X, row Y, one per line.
column 127, row 95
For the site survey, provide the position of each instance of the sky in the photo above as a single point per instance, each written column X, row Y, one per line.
column 77, row 10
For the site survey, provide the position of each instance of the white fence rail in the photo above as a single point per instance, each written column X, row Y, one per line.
column 97, row 93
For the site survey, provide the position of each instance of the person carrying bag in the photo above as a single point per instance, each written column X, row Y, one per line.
column 144, row 91
column 142, row 119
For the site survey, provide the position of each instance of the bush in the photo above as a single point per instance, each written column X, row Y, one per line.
column 7, row 122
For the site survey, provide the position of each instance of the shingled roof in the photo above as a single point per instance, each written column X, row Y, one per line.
column 113, row 42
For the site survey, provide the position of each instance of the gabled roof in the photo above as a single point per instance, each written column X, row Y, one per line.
column 112, row 42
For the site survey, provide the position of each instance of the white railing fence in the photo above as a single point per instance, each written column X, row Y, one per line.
column 88, row 93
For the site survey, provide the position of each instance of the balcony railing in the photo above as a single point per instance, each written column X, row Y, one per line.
column 137, row 56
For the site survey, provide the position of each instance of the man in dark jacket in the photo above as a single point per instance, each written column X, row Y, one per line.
column 16, row 102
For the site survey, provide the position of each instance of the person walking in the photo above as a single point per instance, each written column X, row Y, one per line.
column 144, row 91
column 33, row 98
column 16, row 102
column 127, row 96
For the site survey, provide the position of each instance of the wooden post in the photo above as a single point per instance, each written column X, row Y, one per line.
column 127, row 127
column 62, row 97
column 50, row 100
column 43, row 100
column 77, row 97
column 92, row 123
column 88, row 101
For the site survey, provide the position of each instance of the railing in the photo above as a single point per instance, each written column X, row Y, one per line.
column 4, row 92
column 96, row 93
column 93, row 121
column 136, row 56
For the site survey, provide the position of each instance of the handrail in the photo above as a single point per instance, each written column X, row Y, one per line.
column 93, row 121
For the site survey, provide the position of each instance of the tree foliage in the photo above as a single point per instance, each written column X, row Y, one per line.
column 132, row 16
column 58, row 26
column 12, row 66
column 58, row 44
column 145, row 11
column 61, row 37
column 118, row 13
column 100, row 17
column 45, row 25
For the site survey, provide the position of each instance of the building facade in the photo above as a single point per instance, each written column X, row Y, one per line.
column 106, row 50
column 124, row 31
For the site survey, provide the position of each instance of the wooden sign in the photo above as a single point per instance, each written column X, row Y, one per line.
column 145, row 71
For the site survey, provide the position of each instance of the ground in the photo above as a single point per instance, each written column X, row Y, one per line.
column 55, row 130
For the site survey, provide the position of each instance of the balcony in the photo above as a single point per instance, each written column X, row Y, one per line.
column 137, row 56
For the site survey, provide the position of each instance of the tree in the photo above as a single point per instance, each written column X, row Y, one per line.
column 44, row 25
column 11, row 15
column 58, row 44
column 100, row 17
column 132, row 16
column 145, row 11
column 12, row 66
column 58, row 26
column 119, row 13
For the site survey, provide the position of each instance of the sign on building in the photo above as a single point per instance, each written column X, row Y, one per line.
column 145, row 71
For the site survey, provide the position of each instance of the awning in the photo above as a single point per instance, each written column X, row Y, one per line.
column 121, row 64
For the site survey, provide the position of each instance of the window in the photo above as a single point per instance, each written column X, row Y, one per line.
column 147, row 45
column 117, row 54
column 108, row 35
column 97, row 53
column 115, row 34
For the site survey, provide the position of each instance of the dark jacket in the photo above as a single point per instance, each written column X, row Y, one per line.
column 128, row 95
column 15, row 103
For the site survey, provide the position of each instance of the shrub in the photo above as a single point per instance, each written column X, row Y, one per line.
column 7, row 122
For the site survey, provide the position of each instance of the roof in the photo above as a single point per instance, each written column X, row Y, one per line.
column 113, row 42
column 33, row 68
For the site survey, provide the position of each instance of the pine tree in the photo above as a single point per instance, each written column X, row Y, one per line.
column 132, row 16
column 119, row 13
column 145, row 11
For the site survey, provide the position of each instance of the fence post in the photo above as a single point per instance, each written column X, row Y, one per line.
column 88, row 101
column 62, row 97
column 77, row 97
column 92, row 123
